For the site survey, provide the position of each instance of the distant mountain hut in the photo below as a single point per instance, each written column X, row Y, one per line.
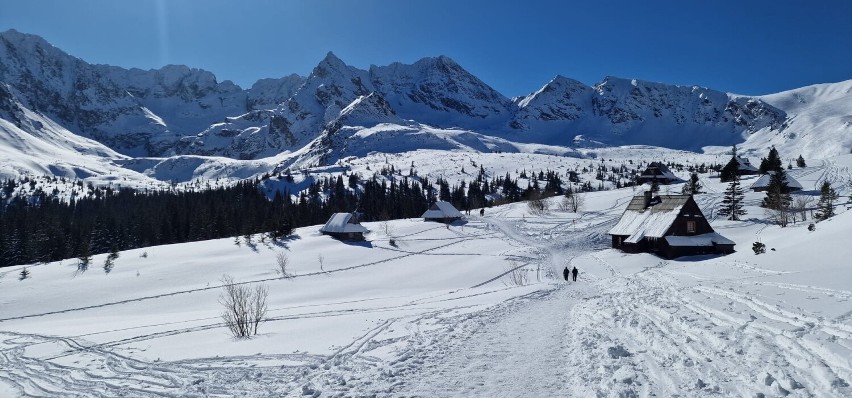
column 762, row 183
column 658, row 171
column 742, row 166
column 344, row 226
column 442, row 212
column 669, row 226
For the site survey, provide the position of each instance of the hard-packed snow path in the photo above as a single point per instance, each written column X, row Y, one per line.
column 521, row 348
column 640, row 332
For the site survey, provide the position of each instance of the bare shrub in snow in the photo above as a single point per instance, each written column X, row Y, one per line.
column 25, row 273
column 517, row 276
column 245, row 308
column 537, row 206
column 801, row 205
column 576, row 202
column 281, row 262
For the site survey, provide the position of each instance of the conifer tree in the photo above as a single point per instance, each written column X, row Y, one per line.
column 655, row 185
column 25, row 273
column 778, row 191
column 693, row 186
column 771, row 162
column 825, row 206
column 85, row 256
column 731, row 168
column 800, row 162
column 732, row 203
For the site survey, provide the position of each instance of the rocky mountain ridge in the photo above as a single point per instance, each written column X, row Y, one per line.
column 178, row 110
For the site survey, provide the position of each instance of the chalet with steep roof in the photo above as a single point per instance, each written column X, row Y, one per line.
column 762, row 183
column 743, row 166
column 442, row 212
column 344, row 226
column 657, row 171
column 669, row 226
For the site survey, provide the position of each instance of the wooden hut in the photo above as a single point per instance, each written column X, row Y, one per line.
column 344, row 226
column 442, row 212
column 657, row 171
column 762, row 183
column 669, row 226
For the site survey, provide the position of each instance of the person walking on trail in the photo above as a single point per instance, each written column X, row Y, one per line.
column 482, row 212
column 566, row 273
column 574, row 273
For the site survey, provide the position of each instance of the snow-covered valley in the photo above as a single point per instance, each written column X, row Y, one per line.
column 478, row 308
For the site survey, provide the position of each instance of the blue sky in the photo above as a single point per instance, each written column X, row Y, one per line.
column 746, row 47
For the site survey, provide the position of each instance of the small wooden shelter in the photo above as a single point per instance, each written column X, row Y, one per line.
column 442, row 212
column 669, row 226
column 762, row 183
column 344, row 226
column 743, row 166
column 657, row 171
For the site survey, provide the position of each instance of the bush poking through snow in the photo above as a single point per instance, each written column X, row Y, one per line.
column 537, row 206
column 571, row 202
column 281, row 262
column 25, row 273
column 758, row 248
column 517, row 276
column 245, row 308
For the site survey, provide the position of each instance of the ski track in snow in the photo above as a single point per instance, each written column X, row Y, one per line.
column 622, row 334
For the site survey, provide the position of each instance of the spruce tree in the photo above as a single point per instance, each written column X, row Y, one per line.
column 825, row 206
column 25, row 273
column 777, row 193
column 655, row 185
column 771, row 162
column 84, row 257
column 800, row 162
column 731, row 168
column 693, row 186
column 732, row 203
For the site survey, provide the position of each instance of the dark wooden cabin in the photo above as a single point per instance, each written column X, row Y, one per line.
column 657, row 171
column 669, row 226
column 742, row 166
column 442, row 212
column 344, row 226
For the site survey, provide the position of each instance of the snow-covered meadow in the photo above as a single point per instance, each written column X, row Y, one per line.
column 478, row 308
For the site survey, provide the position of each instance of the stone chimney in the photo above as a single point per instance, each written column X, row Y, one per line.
column 647, row 198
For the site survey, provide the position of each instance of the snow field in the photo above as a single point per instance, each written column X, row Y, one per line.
column 438, row 315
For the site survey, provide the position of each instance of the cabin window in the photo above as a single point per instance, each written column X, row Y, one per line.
column 690, row 227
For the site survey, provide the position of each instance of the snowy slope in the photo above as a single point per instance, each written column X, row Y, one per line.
column 442, row 313
column 820, row 123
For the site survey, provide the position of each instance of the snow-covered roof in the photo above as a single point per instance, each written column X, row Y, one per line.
column 653, row 222
column 340, row 223
column 744, row 164
column 763, row 182
column 665, row 173
column 699, row 240
column 442, row 210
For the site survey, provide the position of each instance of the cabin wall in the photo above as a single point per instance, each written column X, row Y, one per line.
column 690, row 212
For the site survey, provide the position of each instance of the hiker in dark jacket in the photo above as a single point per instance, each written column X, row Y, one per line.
column 574, row 273
column 566, row 273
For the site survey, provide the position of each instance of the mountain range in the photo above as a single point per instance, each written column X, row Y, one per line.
column 121, row 115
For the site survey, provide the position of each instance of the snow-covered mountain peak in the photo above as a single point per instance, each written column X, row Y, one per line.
column 269, row 93
column 369, row 110
column 438, row 91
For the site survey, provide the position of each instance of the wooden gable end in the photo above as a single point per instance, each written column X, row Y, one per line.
column 690, row 212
